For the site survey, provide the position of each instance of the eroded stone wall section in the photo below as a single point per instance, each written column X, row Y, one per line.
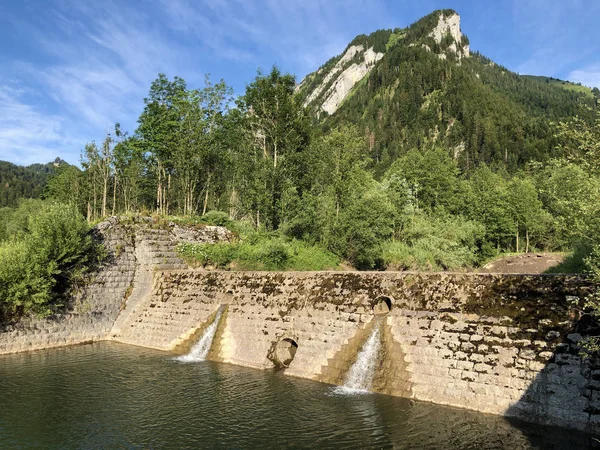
column 93, row 308
column 98, row 310
column 170, row 314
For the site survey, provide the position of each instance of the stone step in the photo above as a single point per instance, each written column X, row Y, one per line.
column 163, row 247
column 162, row 253
column 153, row 242
column 170, row 266
column 157, row 261
column 154, row 231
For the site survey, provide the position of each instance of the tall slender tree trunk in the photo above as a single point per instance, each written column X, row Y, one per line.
column 517, row 239
column 104, row 195
column 526, row 240
column 206, row 193
column 232, row 201
column 159, row 188
column 125, row 198
column 114, row 205
column 94, row 210
column 167, row 194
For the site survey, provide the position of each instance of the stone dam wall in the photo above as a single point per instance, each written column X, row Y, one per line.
column 501, row 344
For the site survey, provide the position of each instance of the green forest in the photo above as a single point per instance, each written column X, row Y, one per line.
column 428, row 165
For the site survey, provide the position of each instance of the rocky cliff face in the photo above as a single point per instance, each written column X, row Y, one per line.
column 450, row 25
column 338, row 83
column 326, row 89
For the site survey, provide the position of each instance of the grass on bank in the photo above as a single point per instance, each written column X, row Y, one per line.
column 574, row 262
column 251, row 249
column 260, row 251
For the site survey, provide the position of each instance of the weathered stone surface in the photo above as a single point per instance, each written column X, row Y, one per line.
column 442, row 343
column 206, row 234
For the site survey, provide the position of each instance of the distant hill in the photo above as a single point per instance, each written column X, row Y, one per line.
column 17, row 182
column 423, row 85
column 569, row 85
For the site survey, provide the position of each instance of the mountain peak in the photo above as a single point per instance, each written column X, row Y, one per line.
column 449, row 25
column 327, row 88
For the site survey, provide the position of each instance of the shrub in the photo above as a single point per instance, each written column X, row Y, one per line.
column 218, row 218
column 38, row 263
column 260, row 251
column 430, row 243
column 364, row 228
column 274, row 254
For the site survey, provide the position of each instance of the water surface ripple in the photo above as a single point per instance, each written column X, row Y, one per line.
column 119, row 397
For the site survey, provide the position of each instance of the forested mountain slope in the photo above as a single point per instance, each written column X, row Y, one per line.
column 408, row 87
column 18, row 182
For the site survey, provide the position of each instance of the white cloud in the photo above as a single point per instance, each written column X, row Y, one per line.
column 588, row 76
column 303, row 34
column 27, row 135
column 95, row 60
column 99, row 61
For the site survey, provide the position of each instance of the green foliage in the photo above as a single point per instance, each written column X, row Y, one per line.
column 39, row 261
column 432, row 177
column 260, row 251
column 590, row 307
column 563, row 84
column 67, row 185
column 435, row 243
column 478, row 111
column 377, row 40
column 217, row 218
column 574, row 261
column 270, row 161
column 18, row 182
column 581, row 170
column 489, row 202
column 426, row 164
column 363, row 229
column 570, row 194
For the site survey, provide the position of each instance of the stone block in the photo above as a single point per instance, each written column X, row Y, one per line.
column 465, row 365
column 482, row 368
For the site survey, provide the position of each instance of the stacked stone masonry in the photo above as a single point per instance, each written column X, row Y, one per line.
column 501, row 344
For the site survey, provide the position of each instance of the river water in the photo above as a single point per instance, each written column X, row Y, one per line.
column 112, row 396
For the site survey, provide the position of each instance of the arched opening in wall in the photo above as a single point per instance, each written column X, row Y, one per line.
column 382, row 305
column 285, row 351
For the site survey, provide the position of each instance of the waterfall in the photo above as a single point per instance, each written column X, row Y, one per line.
column 200, row 350
column 360, row 375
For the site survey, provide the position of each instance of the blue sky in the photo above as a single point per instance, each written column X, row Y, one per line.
column 69, row 69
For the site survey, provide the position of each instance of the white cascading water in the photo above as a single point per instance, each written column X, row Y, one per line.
column 200, row 350
column 360, row 375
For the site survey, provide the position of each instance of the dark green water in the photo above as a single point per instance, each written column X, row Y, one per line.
column 110, row 396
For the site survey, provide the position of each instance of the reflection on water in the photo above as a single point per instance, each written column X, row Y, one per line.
column 114, row 396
